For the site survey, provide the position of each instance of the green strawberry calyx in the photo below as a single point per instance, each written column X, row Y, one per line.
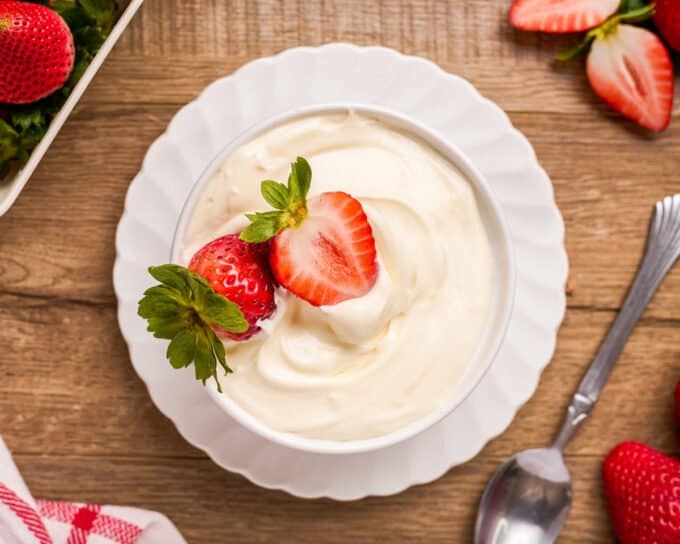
column 185, row 309
column 635, row 15
column 288, row 200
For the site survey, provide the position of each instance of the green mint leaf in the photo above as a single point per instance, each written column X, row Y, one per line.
column 9, row 142
column 300, row 180
column 89, row 40
column 260, row 231
column 276, row 194
column 4, row 169
column 100, row 11
column 184, row 309
column 25, row 119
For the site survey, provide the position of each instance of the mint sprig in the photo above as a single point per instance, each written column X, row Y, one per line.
column 185, row 309
column 289, row 203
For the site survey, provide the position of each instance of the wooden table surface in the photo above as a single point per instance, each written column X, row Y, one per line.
column 79, row 420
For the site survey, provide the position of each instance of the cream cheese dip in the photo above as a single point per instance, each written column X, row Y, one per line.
column 374, row 364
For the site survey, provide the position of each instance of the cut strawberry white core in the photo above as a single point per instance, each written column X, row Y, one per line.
column 631, row 70
column 394, row 348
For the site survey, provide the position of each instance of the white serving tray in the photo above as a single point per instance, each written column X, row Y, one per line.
column 10, row 189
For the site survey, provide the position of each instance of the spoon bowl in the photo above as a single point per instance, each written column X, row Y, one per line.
column 527, row 500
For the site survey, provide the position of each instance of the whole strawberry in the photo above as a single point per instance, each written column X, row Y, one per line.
column 642, row 487
column 240, row 272
column 667, row 20
column 36, row 52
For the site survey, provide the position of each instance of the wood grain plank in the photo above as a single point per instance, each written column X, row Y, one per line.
column 471, row 38
column 210, row 505
column 66, row 372
column 80, row 420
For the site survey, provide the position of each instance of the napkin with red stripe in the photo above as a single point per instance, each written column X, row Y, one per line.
column 24, row 520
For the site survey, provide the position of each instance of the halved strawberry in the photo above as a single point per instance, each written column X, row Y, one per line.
column 330, row 257
column 323, row 249
column 630, row 68
column 560, row 16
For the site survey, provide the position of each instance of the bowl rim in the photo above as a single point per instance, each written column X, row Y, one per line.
column 503, row 250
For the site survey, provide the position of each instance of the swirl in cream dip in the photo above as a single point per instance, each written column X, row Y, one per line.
column 371, row 365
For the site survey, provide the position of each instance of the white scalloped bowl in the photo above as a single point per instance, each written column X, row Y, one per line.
column 502, row 301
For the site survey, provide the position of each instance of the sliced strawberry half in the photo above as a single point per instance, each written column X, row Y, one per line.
column 561, row 16
column 323, row 249
column 330, row 257
column 631, row 70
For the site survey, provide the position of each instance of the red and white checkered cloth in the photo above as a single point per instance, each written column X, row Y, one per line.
column 24, row 520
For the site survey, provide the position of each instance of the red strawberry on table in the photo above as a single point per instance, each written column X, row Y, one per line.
column 36, row 52
column 630, row 68
column 561, row 16
column 642, row 487
column 240, row 272
column 323, row 249
column 667, row 20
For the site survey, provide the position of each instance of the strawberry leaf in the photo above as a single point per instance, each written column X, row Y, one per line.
column 9, row 142
column 26, row 119
column 276, row 194
column 290, row 203
column 576, row 50
column 300, row 180
column 631, row 12
column 185, row 309
column 637, row 14
column 101, row 11
column 630, row 5
column 182, row 348
column 261, row 229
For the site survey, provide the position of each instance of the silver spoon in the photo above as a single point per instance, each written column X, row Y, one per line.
column 528, row 499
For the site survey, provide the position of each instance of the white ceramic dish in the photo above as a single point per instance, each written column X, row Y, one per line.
column 11, row 188
column 382, row 78
column 503, row 295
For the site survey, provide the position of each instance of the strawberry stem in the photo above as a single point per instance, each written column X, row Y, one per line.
column 289, row 203
column 605, row 29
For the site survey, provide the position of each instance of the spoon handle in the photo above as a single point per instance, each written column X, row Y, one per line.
column 663, row 249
